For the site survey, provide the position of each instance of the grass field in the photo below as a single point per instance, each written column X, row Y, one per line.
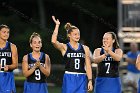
column 50, row 89
column 54, row 89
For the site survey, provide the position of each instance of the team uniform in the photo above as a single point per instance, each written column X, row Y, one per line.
column 108, row 80
column 75, row 79
column 133, row 73
column 36, row 83
column 7, row 83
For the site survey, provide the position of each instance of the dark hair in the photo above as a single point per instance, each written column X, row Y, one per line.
column 34, row 34
column 4, row 26
column 69, row 28
column 116, row 43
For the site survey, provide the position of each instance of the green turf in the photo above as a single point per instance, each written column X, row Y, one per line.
column 50, row 89
column 20, row 78
column 54, row 89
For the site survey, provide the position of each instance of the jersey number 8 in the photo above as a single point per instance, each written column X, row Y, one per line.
column 77, row 63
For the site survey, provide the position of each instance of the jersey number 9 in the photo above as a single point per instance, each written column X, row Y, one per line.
column 37, row 73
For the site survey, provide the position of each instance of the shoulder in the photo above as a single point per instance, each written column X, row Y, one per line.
column 118, row 50
column 13, row 45
column 85, row 47
column 97, row 50
column 47, row 56
column 13, row 48
column 25, row 57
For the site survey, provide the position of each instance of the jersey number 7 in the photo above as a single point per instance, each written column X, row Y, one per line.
column 108, row 67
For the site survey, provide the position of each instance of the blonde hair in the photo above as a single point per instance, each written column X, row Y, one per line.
column 69, row 27
column 4, row 26
column 34, row 34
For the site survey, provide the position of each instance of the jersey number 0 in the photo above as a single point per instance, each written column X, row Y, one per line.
column 3, row 62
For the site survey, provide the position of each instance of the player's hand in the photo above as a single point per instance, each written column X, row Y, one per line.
column 6, row 68
column 56, row 20
column 90, row 87
column 106, row 48
column 105, row 44
column 37, row 64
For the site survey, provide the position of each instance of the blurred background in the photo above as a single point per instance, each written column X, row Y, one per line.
column 92, row 17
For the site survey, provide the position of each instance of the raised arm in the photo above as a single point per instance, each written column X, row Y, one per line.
column 46, row 70
column 97, row 58
column 55, row 42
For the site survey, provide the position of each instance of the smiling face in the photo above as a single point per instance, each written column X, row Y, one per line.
column 107, row 40
column 36, row 44
column 4, row 34
column 74, row 35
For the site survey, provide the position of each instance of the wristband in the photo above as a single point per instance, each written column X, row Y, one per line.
column 89, row 79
